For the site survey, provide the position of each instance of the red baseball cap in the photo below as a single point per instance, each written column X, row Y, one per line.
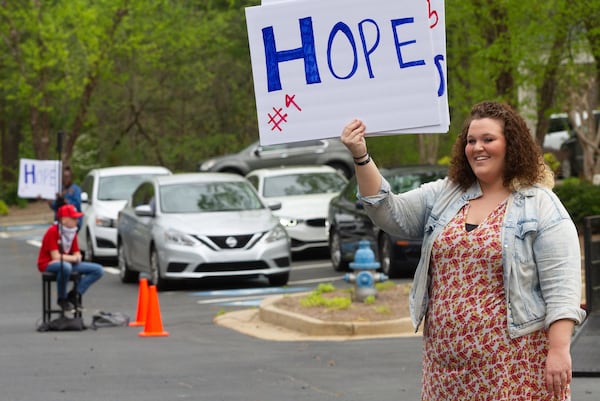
column 68, row 211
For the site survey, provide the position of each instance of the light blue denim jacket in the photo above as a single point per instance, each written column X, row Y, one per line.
column 541, row 255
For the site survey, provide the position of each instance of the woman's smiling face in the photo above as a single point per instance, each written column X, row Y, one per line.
column 486, row 149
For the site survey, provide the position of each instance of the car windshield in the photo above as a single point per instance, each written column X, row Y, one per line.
column 403, row 182
column 119, row 187
column 208, row 197
column 302, row 184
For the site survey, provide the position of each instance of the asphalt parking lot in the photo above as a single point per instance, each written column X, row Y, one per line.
column 198, row 360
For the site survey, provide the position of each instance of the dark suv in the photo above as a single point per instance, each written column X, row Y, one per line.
column 348, row 223
column 329, row 152
column 562, row 141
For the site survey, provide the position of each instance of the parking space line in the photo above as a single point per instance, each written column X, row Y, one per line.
column 228, row 299
column 312, row 266
column 318, row 280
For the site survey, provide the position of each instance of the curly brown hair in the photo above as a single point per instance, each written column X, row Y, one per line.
column 524, row 164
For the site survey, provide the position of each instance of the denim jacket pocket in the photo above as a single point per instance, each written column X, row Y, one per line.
column 525, row 233
column 524, row 228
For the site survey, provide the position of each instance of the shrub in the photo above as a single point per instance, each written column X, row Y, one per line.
column 581, row 198
column 552, row 162
column 315, row 299
column 3, row 208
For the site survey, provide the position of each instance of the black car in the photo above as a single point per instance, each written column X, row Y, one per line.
column 348, row 223
column 330, row 152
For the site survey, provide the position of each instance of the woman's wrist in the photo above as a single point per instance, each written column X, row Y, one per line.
column 361, row 156
column 364, row 159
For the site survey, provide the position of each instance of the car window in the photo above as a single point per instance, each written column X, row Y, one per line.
column 120, row 187
column 349, row 192
column 302, row 184
column 143, row 195
column 253, row 180
column 305, row 144
column 558, row 124
column 88, row 186
column 292, row 145
column 272, row 148
column 208, row 197
column 403, row 182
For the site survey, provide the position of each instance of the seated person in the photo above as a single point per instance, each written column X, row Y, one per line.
column 62, row 260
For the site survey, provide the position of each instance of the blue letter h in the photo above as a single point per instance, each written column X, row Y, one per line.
column 306, row 52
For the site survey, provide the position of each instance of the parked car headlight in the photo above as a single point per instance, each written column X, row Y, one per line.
column 290, row 221
column 179, row 238
column 276, row 234
column 102, row 221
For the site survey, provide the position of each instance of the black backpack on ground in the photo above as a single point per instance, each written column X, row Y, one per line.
column 63, row 323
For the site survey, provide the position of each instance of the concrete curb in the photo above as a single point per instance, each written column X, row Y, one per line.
column 287, row 326
column 23, row 226
column 269, row 313
column 18, row 223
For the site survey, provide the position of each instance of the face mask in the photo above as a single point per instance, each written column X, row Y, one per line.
column 67, row 235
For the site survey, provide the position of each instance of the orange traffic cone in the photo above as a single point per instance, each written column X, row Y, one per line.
column 153, row 326
column 142, row 306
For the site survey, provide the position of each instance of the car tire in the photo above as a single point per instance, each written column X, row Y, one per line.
column 231, row 170
column 385, row 255
column 278, row 280
column 335, row 252
column 88, row 256
column 155, row 277
column 342, row 169
column 126, row 275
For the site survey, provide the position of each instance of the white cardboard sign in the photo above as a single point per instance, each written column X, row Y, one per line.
column 39, row 178
column 317, row 65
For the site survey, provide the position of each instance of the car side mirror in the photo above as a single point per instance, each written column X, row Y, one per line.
column 84, row 197
column 257, row 151
column 274, row 205
column 144, row 211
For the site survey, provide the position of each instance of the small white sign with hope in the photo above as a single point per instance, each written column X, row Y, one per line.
column 317, row 65
column 39, row 178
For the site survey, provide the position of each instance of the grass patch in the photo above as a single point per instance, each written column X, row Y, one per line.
column 316, row 298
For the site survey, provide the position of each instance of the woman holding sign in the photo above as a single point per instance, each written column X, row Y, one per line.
column 498, row 285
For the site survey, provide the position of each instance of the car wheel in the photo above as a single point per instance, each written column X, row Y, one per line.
column 231, row 170
column 88, row 256
column 278, row 280
column 155, row 277
column 385, row 255
column 126, row 275
column 335, row 252
column 342, row 169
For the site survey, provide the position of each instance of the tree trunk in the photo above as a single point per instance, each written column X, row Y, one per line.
column 547, row 90
column 86, row 96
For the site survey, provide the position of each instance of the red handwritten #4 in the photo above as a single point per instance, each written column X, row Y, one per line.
column 278, row 118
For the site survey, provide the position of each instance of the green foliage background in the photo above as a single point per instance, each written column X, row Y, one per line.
column 169, row 82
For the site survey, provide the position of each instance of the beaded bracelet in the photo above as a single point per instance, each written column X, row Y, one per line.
column 362, row 163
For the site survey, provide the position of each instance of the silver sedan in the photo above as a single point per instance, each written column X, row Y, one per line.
column 193, row 226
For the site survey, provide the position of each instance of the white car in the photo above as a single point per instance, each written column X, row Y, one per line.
column 104, row 192
column 304, row 194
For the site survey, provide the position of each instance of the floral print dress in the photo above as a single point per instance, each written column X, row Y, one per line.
column 468, row 354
